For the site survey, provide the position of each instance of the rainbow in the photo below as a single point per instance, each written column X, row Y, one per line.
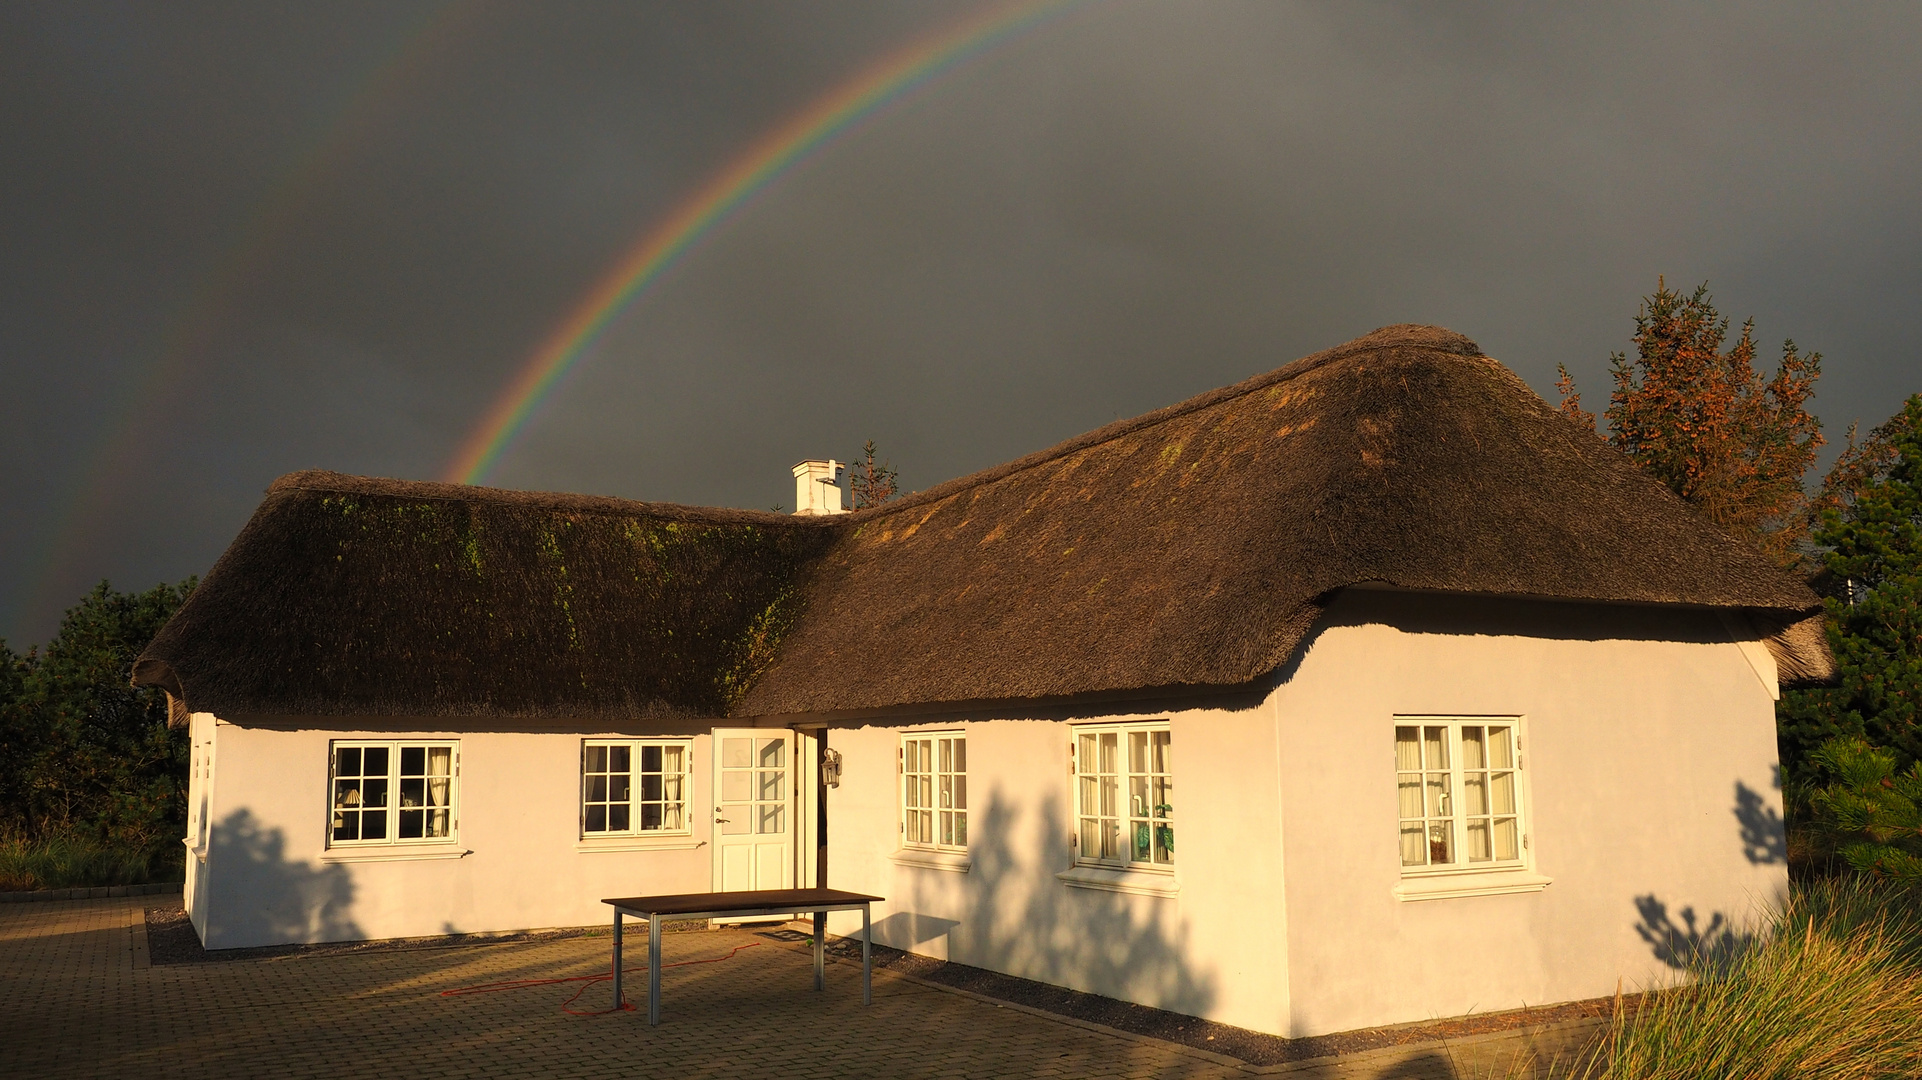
column 759, row 165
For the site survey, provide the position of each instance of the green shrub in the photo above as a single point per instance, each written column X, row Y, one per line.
column 1870, row 815
column 1832, row 992
column 76, row 862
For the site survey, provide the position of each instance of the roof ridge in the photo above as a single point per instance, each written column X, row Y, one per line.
column 1397, row 334
column 327, row 480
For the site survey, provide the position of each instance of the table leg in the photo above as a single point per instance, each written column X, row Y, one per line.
column 654, row 970
column 820, row 950
column 867, row 973
column 617, row 958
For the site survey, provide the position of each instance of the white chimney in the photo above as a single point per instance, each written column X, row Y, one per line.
column 817, row 487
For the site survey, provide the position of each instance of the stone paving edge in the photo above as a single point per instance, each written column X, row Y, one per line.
column 98, row 892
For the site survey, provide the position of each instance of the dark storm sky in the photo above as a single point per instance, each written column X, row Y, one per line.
column 238, row 241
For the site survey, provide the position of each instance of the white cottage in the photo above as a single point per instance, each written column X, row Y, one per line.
column 1368, row 690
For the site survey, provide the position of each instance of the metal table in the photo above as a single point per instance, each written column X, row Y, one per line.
column 740, row 905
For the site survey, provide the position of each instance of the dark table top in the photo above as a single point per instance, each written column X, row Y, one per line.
column 689, row 903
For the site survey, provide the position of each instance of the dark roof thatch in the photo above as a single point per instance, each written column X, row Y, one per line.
column 1192, row 546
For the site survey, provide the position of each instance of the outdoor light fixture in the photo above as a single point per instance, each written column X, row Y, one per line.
column 831, row 767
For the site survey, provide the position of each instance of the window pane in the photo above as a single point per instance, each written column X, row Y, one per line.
column 1473, row 755
column 736, row 786
column 1107, row 751
column 1138, row 796
column 1138, row 751
column 960, row 755
column 1439, row 804
column 374, row 761
column 672, row 815
column 1478, row 840
column 961, row 791
column 737, row 753
column 1164, row 843
column 947, row 828
column 650, row 817
column 596, row 759
column 413, row 760
column 413, row 793
column 597, row 789
column 1435, row 742
column 439, row 823
column 947, row 793
column 1504, row 785
column 960, row 829
column 1090, row 802
column 1441, row 844
column 650, row 787
column 1414, row 850
column 650, row 759
column 773, row 786
column 1087, row 760
column 1163, row 748
column 1140, row 835
column 373, row 826
column 619, row 787
column 347, row 826
column 346, row 793
column 596, row 818
column 1408, row 749
column 1507, row 837
column 617, row 817
column 411, row 824
column 1475, row 793
column 1108, row 793
column 347, row 761
column 671, row 757
column 1501, row 750
column 947, row 755
column 1408, row 793
column 373, row 793
column 1090, row 838
column 1164, row 798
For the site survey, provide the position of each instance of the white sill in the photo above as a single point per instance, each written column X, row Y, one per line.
column 393, row 853
column 1142, row 882
column 670, row 842
column 199, row 853
column 959, row 862
column 1473, row 883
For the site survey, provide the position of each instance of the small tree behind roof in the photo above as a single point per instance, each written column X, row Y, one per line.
column 873, row 482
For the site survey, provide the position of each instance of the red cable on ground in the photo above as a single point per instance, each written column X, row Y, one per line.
column 522, row 984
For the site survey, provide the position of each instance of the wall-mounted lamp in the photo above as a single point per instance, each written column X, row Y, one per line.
column 831, row 767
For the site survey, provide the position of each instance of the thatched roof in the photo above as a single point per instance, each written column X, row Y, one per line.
column 1194, row 546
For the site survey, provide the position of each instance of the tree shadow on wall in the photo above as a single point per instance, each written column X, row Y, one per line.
column 1023, row 921
column 261, row 897
column 1765, row 838
column 1680, row 944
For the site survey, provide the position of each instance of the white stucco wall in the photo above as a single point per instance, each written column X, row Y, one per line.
column 1215, row 949
column 269, row 877
column 1634, row 747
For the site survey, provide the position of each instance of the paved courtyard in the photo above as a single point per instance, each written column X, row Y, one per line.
column 78, row 999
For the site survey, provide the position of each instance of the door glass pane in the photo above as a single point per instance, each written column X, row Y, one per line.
column 736, row 786
column 773, row 819
column 773, row 785
column 773, row 753
column 737, row 753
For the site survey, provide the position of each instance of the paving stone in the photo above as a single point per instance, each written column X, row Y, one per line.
column 80, row 1001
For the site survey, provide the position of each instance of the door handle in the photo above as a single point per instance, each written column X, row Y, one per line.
column 720, row 821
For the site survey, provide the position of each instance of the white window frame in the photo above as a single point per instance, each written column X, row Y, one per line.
column 941, row 802
column 1160, row 819
column 393, row 779
column 1463, row 877
column 634, row 748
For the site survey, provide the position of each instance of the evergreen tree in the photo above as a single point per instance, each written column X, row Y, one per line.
column 84, row 751
column 1702, row 420
column 873, row 482
column 1871, row 533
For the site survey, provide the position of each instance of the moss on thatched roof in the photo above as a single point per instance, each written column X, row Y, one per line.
column 1193, row 546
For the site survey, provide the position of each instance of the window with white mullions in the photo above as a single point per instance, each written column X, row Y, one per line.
column 1459, row 789
column 634, row 786
column 1124, row 796
column 390, row 792
column 934, row 791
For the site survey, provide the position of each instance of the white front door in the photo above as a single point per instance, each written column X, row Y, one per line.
column 753, row 809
